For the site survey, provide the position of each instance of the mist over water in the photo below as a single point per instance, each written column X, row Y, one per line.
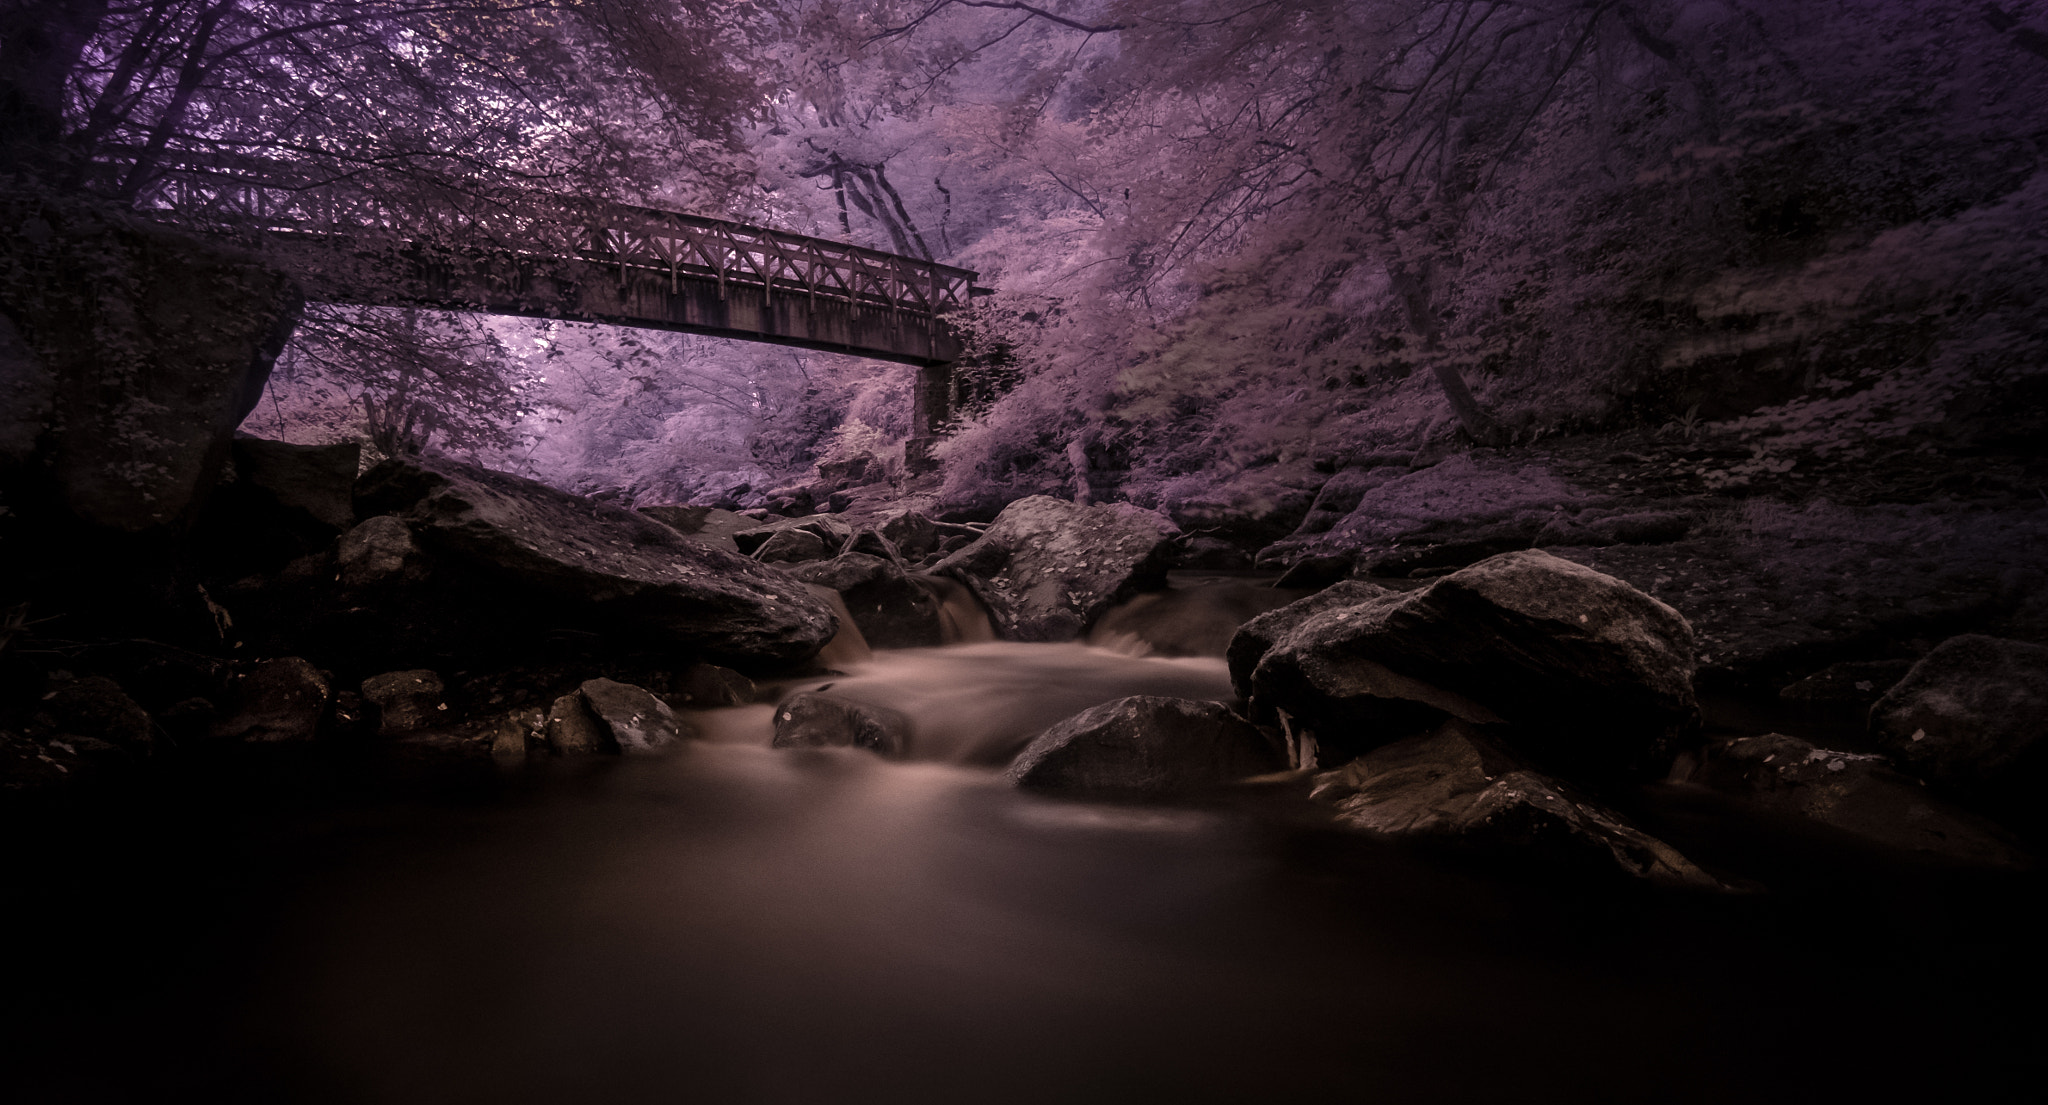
column 734, row 923
column 745, row 925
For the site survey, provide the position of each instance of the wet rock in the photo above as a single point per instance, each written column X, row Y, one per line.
column 1849, row 683
column 1258, row 635
column 706, row 525
column 891, row 609
column 633, row 719
column 1862, row 795
column 1047, row 568
column 407, row 700
column 275, row 701
column 1145, row 746
column 1457, row 787
column 1972, row 716
column 516, row 736
column 1595, row 676
column 710, row 687
column 95, row 707
column 791, row 545
column 572, row 729
column 813, row 720
column 598, row 567
column 380, row 552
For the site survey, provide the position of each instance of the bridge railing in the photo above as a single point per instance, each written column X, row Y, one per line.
column 274, row 197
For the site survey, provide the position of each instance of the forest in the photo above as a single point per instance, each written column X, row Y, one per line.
column 1023, row 550
column 1223, row 238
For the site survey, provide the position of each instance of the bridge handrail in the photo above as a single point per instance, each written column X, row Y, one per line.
column 627, row 235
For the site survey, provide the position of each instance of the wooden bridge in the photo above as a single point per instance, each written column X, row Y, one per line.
column 551, row 256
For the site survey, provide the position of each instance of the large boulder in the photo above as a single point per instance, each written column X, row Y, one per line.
column 149, row 348
column 1855, row 793
column 313, row 481
column 705, row 524
column 277, row 503
column 1047, row 568
column 617, row 572
column 1257, row 636
column 1972, row 716
column 1594, row 675
column 1457, row 787
column 891, row 609
column 1145, row 746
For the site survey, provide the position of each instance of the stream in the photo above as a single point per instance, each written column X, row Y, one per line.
column 736, row 924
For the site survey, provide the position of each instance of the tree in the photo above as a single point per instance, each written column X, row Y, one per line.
column 463, row 96
column 429, row 105
column 1534, row 205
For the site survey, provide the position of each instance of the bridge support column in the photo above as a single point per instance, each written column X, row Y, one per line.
column 931, row 405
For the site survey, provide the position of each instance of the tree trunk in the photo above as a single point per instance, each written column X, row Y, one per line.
column 1414, row 293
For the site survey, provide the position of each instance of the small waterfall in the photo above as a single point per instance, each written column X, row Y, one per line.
column 962, row 620
column 846, row 647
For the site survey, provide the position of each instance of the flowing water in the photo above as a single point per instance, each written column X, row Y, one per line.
column 736, row 924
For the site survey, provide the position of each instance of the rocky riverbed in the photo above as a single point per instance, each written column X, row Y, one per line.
column 1574, row 728
column 1541, row 626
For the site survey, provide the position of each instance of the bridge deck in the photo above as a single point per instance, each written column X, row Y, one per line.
column 565, row 257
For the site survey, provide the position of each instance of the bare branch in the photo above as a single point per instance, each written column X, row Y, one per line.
column 1030, row 10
